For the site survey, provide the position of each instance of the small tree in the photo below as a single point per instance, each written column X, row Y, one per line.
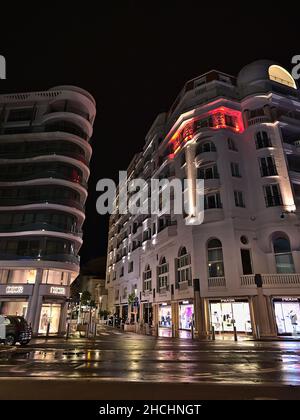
column 131, row 298
column 86, row 298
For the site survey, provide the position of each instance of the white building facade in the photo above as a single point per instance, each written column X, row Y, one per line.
column 241, row 267
column 44, row 168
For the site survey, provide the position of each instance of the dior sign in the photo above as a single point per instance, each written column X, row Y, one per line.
column 58, row 290
column 14, row 290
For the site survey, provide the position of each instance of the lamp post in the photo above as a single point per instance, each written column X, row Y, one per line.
column 79, row 311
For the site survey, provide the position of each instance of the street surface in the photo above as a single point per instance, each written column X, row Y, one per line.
column 118, row 365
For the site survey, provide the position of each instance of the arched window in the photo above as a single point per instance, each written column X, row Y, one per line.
column 147, row 279
column 280, row 75
column 205, row 147
column 183, row 268
column 283, row 255
column 215, row 258
column 162, row 274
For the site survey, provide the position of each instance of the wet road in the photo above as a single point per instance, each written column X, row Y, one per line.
column 258, row 369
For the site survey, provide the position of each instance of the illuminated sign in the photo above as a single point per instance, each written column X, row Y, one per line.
column 287, row 299
column 58, row 290
column 227, row 300
column 14, row 290
column 215, row 119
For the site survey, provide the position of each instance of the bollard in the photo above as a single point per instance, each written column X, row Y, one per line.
column 213, row 334
column 87, row 330
column 48, row 330
column 173, row 331
column 257, row 332
column 235, row 334
column 192, row 331
column 95, row 330
column 68, row 331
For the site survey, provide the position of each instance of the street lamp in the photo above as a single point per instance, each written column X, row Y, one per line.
column 79, row 311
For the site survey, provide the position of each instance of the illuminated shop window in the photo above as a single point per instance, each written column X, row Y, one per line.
column 22, row 276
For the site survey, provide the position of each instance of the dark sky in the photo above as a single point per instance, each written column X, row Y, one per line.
column 134, row 57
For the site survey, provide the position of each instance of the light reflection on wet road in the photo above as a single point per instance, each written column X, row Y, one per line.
column 128, row 357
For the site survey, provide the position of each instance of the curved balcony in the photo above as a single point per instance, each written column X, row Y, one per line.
column 211, row 184
column 27, row 155
column 4, row 177
column 66, row 258
column 206, row 157
column 16, row 201
column 41, row 226
column 51, row 128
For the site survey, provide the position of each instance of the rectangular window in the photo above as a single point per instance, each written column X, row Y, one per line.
column 212, row 201
column 20, row 114
column 239, row 199
column 272, row 195
column 267, row 166
column 246, row 261
column 262, row 140
column 130, row 267
column 235, row 169
column 210, row 172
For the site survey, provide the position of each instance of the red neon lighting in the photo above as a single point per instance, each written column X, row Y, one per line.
column 218, row 118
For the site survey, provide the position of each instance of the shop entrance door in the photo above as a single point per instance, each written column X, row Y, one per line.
column 50, row 313
column 186, row 314
column 226, row 315
column 287, row 317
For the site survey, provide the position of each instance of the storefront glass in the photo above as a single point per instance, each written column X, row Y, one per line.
column 165, row 316
column 186, row 314
column 287, row 313
column 50, row 313
column 226, row 315
column 13, row 308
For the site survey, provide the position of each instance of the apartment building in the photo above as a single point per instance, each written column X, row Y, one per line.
column 241, row 267
column 44, row 169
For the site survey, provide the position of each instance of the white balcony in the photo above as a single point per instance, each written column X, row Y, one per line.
column 183, row 285
column 216, row 282
column 273, row 280
column 205, row 157
column 259, row 120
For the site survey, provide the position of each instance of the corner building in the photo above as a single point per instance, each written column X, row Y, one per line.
column 241, row 267
column 44, row 169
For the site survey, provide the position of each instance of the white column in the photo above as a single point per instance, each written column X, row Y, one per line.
column 32, row 304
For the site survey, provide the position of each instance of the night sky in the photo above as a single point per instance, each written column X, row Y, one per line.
column 134, row 57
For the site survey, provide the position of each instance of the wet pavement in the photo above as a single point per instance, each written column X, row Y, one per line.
column 116, row 357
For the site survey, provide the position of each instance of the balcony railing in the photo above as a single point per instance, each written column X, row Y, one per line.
column 214, row 282
column 26, row 155
column 272, row 280
column 40, row 226
column 163, row 289
column 41, row 174
column 73, row 259
column 19, row 201
column 258, row 120
column 65, row 128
